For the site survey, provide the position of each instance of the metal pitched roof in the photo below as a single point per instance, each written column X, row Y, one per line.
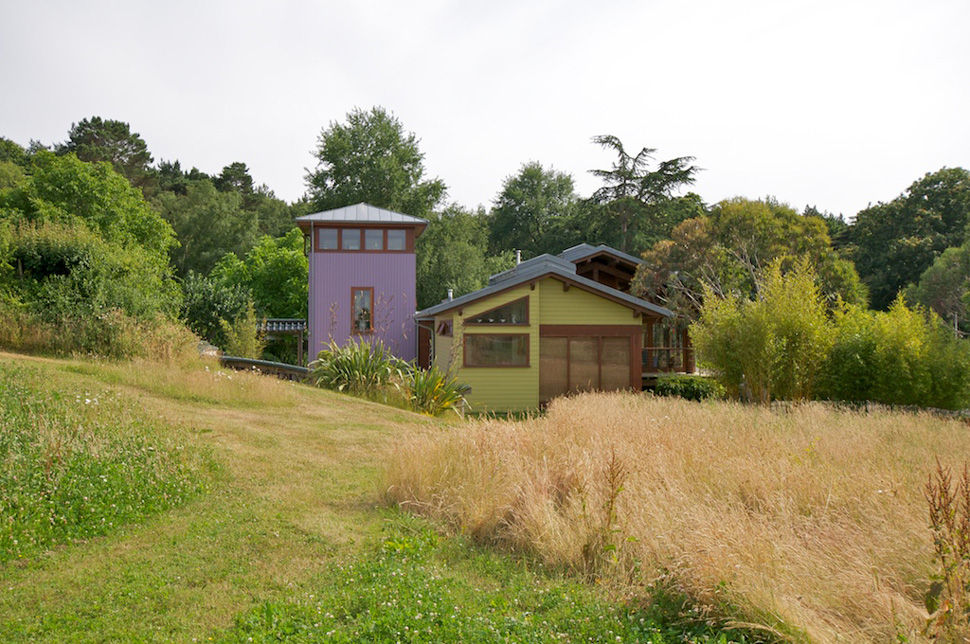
column 582, row 251
column 532, row 264
column 362, row 213
column 534, row 270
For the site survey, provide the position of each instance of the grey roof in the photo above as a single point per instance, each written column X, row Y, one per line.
column 536, row 268
column 580, row 252
column 532, row 264
column 362, row 213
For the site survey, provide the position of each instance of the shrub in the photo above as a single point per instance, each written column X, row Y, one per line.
column 904, row 356
column 772, row 347
column 433, row 392
column 689, row 387
column 359, row 367
column 244, row 339
column 208, row 302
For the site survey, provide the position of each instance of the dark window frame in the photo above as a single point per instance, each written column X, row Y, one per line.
column 409, row 237
column 353, row 322
column 528, row 351
column 527, row 322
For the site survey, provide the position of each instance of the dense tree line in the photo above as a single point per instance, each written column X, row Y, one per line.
column 211, row 246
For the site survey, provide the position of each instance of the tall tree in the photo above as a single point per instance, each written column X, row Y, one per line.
column 371, row 158
column 631, row 199
column 724, row 252
column 451, row 253
column 528, row 209
column 895, row 242
column 97, row 139
column 208, row 223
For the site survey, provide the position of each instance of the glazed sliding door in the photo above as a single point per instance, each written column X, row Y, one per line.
column 553, row 368
column 584, row 367
column 615, row 364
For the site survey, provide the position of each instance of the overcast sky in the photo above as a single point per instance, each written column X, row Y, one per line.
column 835, row 104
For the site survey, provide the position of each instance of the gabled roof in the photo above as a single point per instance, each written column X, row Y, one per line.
column 536, row 269
column 579, row 252
column 362, row 213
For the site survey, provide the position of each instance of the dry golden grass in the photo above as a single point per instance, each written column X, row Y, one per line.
column 811, row 522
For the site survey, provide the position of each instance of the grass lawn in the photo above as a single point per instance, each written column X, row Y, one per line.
column 283, row 535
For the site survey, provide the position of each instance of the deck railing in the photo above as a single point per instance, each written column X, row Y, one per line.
column 668, row 359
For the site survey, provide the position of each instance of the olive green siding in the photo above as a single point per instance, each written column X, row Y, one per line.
column 517, row 388
column 577, row 306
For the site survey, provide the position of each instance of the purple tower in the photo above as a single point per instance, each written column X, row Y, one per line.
column 362, row 279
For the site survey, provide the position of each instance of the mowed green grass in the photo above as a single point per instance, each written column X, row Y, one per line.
column 250, row 509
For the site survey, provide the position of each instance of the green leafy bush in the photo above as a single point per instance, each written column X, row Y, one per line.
column 904, row 356
column 689, row 387
column 244, row 338
column 433, row 392
column 80, row 464
column 773, row 347
column 359, row 367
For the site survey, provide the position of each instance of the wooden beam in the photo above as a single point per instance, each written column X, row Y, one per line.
column 565, row 286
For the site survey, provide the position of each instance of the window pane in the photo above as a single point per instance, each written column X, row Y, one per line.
column 516, row 312
column 396, row 239
column 327, row 238
column 583, row 364
column 373, row 239
column 363, row 310
column 496, row 350
column 615, row 370
column 350, row 239
column 552, row 368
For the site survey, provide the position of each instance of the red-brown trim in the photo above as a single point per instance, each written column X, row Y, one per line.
column 410, row 233
column 372, row 305
column 464, row 352
column 528, row 308
column 553, row 330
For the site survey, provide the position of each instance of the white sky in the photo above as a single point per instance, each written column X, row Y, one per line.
column 836, row 104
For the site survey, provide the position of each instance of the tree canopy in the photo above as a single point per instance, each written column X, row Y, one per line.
column 96, row 139
column 632, row 196
column 372, row 159
column 531, row 211
column 725, row 251
column 452, row 253
column 893, row 243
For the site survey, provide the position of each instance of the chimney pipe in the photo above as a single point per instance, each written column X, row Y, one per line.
column 451, row 294
column 518, row 257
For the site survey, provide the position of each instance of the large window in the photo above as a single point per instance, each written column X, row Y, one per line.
column 515, row 312
column 496, row 350
column 571, row 363
column 362, row 307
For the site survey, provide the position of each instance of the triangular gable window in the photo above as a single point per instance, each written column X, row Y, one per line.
column 515, row 312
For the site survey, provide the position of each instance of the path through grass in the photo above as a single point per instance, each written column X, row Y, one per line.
column 290, row 511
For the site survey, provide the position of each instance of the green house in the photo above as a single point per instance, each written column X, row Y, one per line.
column 546, row 328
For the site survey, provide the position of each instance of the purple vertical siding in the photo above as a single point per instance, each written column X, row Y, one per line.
column 392, row 276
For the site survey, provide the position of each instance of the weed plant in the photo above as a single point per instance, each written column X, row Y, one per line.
column 80, row 464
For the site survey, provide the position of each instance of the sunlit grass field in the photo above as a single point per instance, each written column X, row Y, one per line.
column 182, row 502
column 808, row 524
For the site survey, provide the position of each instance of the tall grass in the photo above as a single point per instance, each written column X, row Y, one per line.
column 79, row 464
column 809, row 523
